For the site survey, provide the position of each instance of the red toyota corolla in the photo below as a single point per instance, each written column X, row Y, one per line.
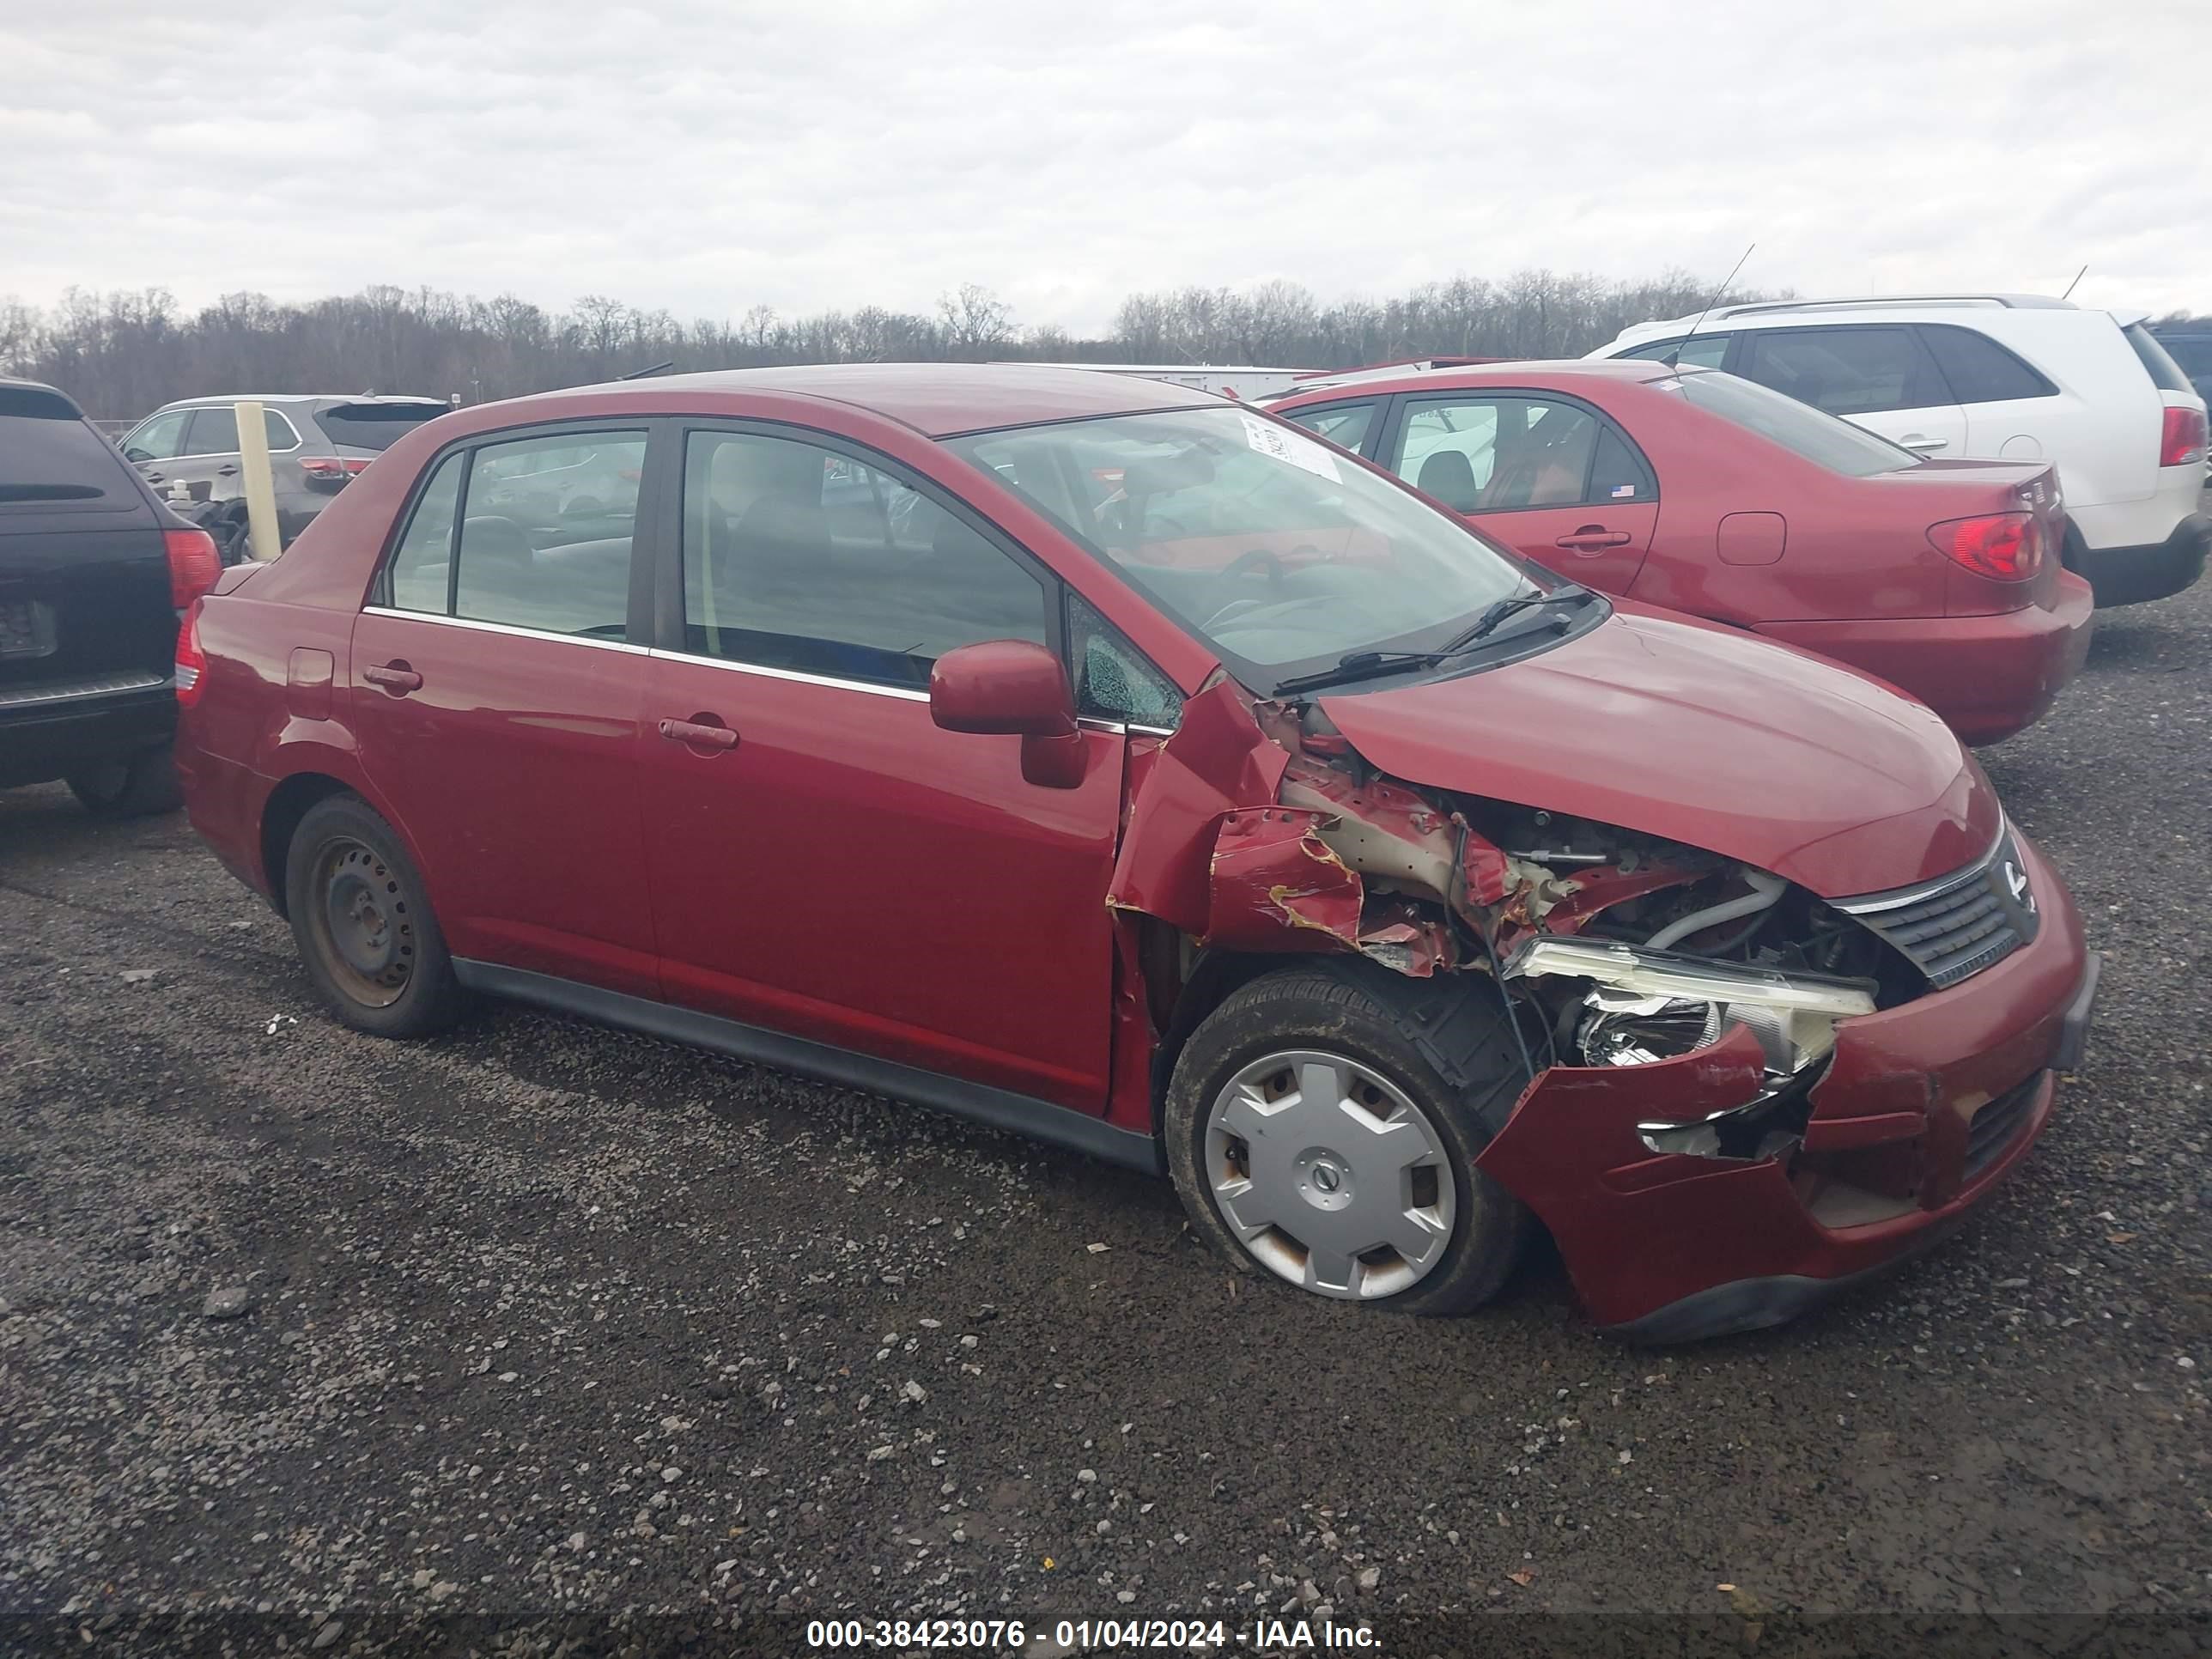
column 1120, row 766
column 1706, row 493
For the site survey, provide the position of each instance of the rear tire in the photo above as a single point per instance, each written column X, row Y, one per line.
column 1377, row 1088
column 363, row 923
column 143, row 784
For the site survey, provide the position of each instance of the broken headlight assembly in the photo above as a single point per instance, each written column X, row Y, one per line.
column 1637, row 1006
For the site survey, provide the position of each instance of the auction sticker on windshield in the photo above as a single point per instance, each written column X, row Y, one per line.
column 1284, row 445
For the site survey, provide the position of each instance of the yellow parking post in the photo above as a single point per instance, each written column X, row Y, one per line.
column 259, row 481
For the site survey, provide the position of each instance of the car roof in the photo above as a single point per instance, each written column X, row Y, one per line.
column 8, row 383
column 1509, row 372
column 217, row 399
column 937, row 400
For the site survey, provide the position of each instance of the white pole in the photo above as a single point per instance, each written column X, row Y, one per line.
column 259, row 481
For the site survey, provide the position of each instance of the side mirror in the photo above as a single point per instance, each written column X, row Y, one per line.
column 1011, row 688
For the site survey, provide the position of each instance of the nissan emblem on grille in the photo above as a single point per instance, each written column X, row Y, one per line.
column 1952, row 929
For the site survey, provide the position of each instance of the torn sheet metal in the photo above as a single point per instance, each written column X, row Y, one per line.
column 1218, row 761
column 1271, row 882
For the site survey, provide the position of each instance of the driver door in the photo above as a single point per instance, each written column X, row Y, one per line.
column 825, row 860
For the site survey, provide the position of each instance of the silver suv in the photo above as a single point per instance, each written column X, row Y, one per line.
column 188, row 451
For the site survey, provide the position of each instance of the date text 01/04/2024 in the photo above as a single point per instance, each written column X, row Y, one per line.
column 995, row 1635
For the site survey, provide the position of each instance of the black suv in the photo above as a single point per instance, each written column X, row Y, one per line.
column 94, row 574
column 188, row 451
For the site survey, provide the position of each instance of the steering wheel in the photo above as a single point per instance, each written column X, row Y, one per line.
column 1259, row 558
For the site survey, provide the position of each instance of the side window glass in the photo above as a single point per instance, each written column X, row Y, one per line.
column 213, row 432
column 1618, row 473
column 546, row 533
column 419, row 563
column 1699, row 350
column 281, row 435
column 1113, row 681
column 1450, row 451
column 1497, row 454
column 800, row 558
column 1845, row 371
column 159, row 439
column 1979, row 370
column 1346, row 424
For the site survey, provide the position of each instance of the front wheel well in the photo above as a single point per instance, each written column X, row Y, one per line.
column 288, row 803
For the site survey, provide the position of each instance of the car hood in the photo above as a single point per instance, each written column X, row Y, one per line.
column 1699, row 734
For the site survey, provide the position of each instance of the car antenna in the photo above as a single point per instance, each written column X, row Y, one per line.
column 1675, row 357
column 2076, row 283
column 648, row 374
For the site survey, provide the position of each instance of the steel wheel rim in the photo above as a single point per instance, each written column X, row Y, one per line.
column 1329, row 1175
column 362, row 923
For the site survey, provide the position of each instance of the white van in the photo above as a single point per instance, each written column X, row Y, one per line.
column 1994, row 377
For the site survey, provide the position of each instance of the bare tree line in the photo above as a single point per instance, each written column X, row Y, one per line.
column 121, row 353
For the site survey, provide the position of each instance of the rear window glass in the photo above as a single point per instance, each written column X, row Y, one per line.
column 374, row 426
column 1823, row 439
column 1979, row 369
column 2164, row 374
column 50, row 457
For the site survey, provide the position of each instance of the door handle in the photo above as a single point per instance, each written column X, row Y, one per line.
column 1924, row 444
column 705, row 732
column 153, row 477
column 226, row 471
column 397, row 678
column 1591, row 537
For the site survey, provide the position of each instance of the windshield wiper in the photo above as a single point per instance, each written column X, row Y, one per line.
column 1360, row 666
column 1487, row 624
column 1368, row 664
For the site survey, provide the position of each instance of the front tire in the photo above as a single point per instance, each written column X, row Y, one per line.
column 363, row 923
column 1322, row 1124
column 143, row 784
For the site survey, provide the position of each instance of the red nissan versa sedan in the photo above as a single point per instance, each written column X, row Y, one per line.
column 1115, row 764
column 1706, row 493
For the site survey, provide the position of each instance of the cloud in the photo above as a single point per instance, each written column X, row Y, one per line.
column 706, row 157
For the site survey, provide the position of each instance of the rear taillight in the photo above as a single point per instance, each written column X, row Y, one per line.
column 191, row 661
column 2006, row 546
column 337, row 467
column 2182, row 440
column 193, row 565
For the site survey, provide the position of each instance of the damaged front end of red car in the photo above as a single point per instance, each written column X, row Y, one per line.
column 1741, row 1095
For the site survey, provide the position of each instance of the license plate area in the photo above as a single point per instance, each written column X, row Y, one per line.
column 27, row 628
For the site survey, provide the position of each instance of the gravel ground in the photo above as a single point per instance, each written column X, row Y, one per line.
column 325, row 1337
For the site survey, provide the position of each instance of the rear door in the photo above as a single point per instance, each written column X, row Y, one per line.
column 1879, row 375
column 826, row 861
column 84, row 574
column 495, row 687
column 207, row 465
column 1550, row 477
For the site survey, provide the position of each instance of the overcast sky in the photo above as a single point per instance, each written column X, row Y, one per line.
column 708, row 157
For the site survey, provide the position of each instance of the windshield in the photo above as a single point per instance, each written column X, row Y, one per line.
column 1280, row 553
column 1823, row 439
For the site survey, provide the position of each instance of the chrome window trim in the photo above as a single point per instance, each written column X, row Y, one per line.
column 903, row 693
column 483, row 627
column 1876, row 903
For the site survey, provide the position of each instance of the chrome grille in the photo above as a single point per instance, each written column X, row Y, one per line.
column 1952, row 929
